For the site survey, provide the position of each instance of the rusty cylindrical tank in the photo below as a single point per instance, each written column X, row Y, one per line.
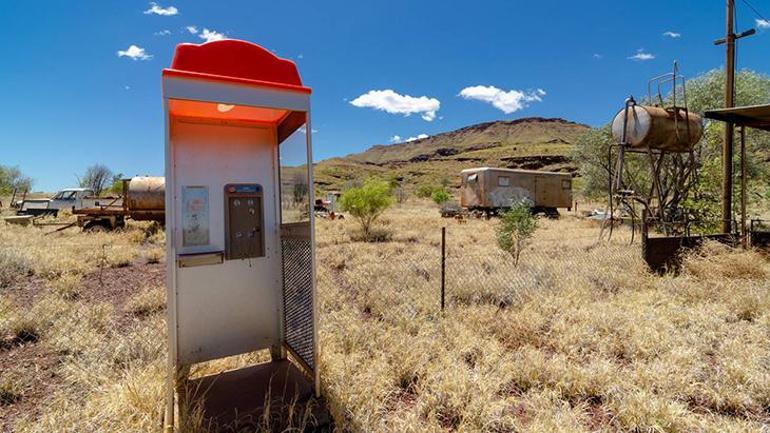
column 658, row 128
column 146, row 198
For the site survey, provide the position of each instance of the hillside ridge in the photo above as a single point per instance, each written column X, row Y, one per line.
column 475, row 127
column 537, row 143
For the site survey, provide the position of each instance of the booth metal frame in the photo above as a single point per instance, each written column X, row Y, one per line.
column 241, row 74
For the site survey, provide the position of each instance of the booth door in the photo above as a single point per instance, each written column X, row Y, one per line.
column 297, row 251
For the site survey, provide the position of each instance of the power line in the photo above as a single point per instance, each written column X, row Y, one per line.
column 756, row 12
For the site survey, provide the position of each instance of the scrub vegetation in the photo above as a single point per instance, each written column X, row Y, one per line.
column 590, row 341
column 603, row 345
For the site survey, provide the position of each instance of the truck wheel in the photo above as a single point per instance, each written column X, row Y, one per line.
column 95, row 227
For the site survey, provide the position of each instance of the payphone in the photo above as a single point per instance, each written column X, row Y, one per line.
column 243, row 222
column 239, row 226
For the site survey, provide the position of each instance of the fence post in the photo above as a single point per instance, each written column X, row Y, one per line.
column 645, row 233
column 443, row 265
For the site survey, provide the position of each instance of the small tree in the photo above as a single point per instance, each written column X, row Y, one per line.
column 440, row 196
column 116, row 184
column 96, row 178
column 367, row 203
column 516, row 228
column 11, row 178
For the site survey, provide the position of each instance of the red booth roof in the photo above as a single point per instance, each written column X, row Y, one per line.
column 235, row 61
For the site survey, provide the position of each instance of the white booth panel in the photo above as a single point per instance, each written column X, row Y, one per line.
column 231, row 307
column 230, row 93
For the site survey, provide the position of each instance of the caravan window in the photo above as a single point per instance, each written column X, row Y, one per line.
column 472, row 178
column 503, row 181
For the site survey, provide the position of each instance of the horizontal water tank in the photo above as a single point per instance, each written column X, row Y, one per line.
column 146, row 197
column 658, row 128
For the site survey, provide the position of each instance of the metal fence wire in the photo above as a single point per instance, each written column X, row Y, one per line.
column 422, row 282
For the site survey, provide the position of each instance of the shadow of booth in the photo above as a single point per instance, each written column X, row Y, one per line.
column 273, row 396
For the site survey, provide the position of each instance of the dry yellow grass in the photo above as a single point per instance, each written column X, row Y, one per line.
column 588, row 340
column 578, row 338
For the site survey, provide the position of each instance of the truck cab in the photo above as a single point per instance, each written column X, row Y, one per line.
column 69, row 198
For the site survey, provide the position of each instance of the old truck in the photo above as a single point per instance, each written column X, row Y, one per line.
column 491, row 190
column 143, row 199
column 70, row 199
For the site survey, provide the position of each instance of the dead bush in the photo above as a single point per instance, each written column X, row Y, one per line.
column 714, row 260
column 13, row 265
column 151, row 300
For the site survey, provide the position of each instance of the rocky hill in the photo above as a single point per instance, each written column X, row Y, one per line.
column 531, row 143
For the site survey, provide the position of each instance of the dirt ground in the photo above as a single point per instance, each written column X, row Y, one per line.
column 34, row 365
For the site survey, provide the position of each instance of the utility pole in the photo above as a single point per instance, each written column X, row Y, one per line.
column 727, row 145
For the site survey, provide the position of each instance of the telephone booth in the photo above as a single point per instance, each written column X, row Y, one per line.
column 239, row 221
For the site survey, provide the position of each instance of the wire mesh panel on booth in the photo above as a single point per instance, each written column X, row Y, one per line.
column 298, row 298
column 296, row 248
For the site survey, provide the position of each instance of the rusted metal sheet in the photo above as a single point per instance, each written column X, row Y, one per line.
column 756, row 116
column 759, row 234
column 664, row 254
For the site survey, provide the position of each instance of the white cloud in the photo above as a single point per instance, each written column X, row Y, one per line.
column 393, row 103
column 211, row 35
column 763, row 24
column 164, row 32
column 192, row 29
column 157, row 9
column 641, row 56
column 673, row 35
column 300, row 56
column 598, row 56
column 398, row 139
column 507, row 102
column 135, row 53
column 419, row 137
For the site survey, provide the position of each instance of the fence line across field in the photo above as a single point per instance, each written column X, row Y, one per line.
column 444, row 277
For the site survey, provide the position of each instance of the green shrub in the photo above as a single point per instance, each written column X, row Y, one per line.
column 515, row 229
column 367, row 203
column 440, row 196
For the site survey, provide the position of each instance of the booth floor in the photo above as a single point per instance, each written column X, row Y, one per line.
column 237, row 398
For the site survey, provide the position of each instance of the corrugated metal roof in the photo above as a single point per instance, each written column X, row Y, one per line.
column 754, row 116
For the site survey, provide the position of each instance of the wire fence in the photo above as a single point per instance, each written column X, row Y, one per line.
column 82, row 323
column 422, row 282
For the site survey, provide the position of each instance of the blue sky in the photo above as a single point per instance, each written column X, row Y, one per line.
column 70, row 100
